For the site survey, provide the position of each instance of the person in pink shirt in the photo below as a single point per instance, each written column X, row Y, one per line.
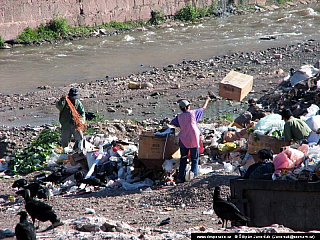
column 189, row 136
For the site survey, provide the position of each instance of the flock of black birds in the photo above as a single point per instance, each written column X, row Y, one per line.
column 35, row 208
column 39, row 210
column 43, row 212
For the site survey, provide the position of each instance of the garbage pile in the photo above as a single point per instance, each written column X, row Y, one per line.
column 109, row 162
column 297, row 91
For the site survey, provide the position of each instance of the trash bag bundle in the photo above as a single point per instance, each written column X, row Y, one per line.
column 268, row 122
column 287, row 159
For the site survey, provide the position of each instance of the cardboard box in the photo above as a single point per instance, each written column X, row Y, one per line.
column 77, row 158
column 157, row 147
column 257, row 142
column 235, row 86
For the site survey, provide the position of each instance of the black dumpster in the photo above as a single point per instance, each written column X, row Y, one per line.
column 295, row 205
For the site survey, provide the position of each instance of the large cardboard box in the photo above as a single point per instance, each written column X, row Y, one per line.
column 158, row 147
column 235, row 86
column 257, row 142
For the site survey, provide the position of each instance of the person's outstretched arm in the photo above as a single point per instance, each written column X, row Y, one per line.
column 206, row 103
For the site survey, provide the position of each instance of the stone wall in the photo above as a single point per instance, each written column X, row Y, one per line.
column 16, row 15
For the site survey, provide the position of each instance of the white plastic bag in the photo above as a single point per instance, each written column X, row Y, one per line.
column 270, row 121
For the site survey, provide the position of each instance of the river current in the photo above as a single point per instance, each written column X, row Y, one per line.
column 24, row 69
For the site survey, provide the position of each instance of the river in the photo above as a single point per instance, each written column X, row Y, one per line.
column 23, row 69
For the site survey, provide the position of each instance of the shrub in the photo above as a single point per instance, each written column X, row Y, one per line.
column 188, row 13
column 156, row 17
column 54, row 29
column 58, row 25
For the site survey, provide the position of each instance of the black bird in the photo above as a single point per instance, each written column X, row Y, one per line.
column 22, row 183
column 55, row 177
column 226, row 210
column 33, row 188
column 24, row 229
column 38, row 209
column 43, row 193
column 92, row 181
column 36, row 190
column 19, row 183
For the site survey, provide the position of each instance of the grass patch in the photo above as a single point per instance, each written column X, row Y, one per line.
column 188, row 13
column 58, row 29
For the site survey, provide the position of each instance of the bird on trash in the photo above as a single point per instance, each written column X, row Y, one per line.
column 39, row 210
column 92, row 181
column 226, row 210
column 24, row 229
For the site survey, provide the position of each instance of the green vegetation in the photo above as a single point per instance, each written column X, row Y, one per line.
column 97, row 118
column 282, row 1
column 227, row 117
column 156, row 17
column 58, row 29
column 1, row 42
column 35, row 156
column 190, row 13
column 55, row 29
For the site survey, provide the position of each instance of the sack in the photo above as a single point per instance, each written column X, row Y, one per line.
column 270, row 121
column 263, row 172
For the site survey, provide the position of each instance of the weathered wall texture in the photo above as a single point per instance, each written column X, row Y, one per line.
column 16, row 15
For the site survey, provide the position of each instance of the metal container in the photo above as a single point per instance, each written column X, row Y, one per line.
column 295, row 205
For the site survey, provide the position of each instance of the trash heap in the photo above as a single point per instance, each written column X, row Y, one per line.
column 152, row 155
column 299, row 92
column 296, row 91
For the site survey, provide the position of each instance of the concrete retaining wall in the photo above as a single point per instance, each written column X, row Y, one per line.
column 17, row 15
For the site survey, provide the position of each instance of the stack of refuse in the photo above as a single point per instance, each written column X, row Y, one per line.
column 297, row 91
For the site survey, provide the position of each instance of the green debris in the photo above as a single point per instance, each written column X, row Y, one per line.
column 35, row 156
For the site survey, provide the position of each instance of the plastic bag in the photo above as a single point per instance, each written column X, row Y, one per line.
column 131, row 186
column 169, row 165
column 270, row 121
column 312, row 111
column 303, row 73
column 288, row 159
column 226, row 147
column 281, row 161
column 295, row 155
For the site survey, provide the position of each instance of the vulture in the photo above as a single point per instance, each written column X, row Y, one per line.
column 36, row 190
column 24, row 229
column 38, row 209
column 226, row 210
column 92, row 181
column 19, row 183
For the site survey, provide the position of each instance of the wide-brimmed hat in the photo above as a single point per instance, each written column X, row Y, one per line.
column 184, row 103
column 73, row 92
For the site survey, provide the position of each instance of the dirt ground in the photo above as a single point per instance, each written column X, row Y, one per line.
column 189, row 205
